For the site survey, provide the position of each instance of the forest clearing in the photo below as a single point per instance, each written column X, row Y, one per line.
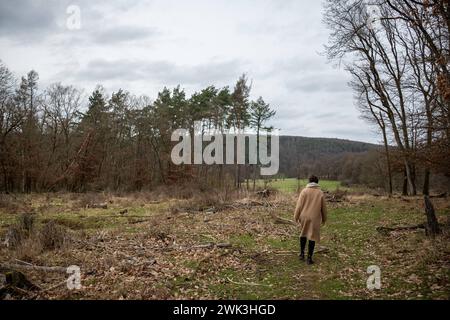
column 154, row 246
column 224, row 151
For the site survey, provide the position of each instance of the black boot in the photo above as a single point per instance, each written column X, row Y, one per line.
column 311, row 245
column 302, row 248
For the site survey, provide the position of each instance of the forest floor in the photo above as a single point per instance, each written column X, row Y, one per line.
column 143, row 247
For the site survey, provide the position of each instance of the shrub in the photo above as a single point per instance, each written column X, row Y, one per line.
column 26, row 222
column 53, row 236
column 22, row 229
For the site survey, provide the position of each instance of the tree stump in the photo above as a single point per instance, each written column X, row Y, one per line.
column 14, row 283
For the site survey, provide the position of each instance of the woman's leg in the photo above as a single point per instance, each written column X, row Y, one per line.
column 302, row 247
column 311, row 245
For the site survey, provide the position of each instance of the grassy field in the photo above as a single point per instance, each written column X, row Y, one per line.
column 290, row 185
column 162, row 248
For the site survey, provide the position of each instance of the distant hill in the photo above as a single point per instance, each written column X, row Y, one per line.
column 303, row 153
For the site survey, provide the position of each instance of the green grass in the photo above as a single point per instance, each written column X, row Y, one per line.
column 354, row 244
column 243, row 240
column 292, row 185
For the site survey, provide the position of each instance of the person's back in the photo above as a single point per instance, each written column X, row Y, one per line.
column 310, row 213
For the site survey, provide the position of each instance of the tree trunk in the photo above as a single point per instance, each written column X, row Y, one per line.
column 254, row 176
column 388, row 160
column 405, row 184
column 426, row 183
column 410, row 178
column 432, row 227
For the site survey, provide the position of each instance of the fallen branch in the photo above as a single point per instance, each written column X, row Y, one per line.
column 386, row 230
column 322, row 250
column 49, row 289
column 442, row 195
column 318, row 250
column 32, row 267
column 248, row 283
column 24, row 262
column 212, row 245
column 264, row 193
column 279, row 220
column 123, row 216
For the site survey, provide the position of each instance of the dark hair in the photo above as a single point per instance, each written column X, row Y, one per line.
column 313, row 178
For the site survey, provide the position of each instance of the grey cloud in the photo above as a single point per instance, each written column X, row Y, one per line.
column 27, row 19
column 115, row 35
column 330, row 115
column 319, row 82
column 122, row 34
column 38, row 20
column 162, row 71
column 309, row 74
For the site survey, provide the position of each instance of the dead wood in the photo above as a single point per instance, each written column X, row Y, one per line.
column 264, row 193
column 387, row 230
column 15, row 283
column 321, row 249
column 59, row 284
column 441, row 195
column 248, row 283
column 212, row 245
column 32, row 267
column 280, row 220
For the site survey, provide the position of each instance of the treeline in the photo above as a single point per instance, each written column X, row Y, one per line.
column 397, row 52
column 351, row 162
column 51, row 140
column 302, row 156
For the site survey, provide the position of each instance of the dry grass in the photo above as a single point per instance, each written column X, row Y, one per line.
column 28, row 240
column 156, row 257
column 86, row 200
column 22, row 229
column 53, row 236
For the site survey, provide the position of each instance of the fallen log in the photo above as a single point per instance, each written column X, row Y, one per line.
column 32, row 267
column 387, row 230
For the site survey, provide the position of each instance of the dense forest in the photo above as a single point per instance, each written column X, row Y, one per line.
column 52, row 140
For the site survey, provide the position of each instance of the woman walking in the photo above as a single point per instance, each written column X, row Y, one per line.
column 310, row 213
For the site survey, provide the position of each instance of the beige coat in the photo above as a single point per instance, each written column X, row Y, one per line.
column 310, row 211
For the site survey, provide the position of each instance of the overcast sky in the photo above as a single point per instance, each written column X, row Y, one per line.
column 142, row 46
